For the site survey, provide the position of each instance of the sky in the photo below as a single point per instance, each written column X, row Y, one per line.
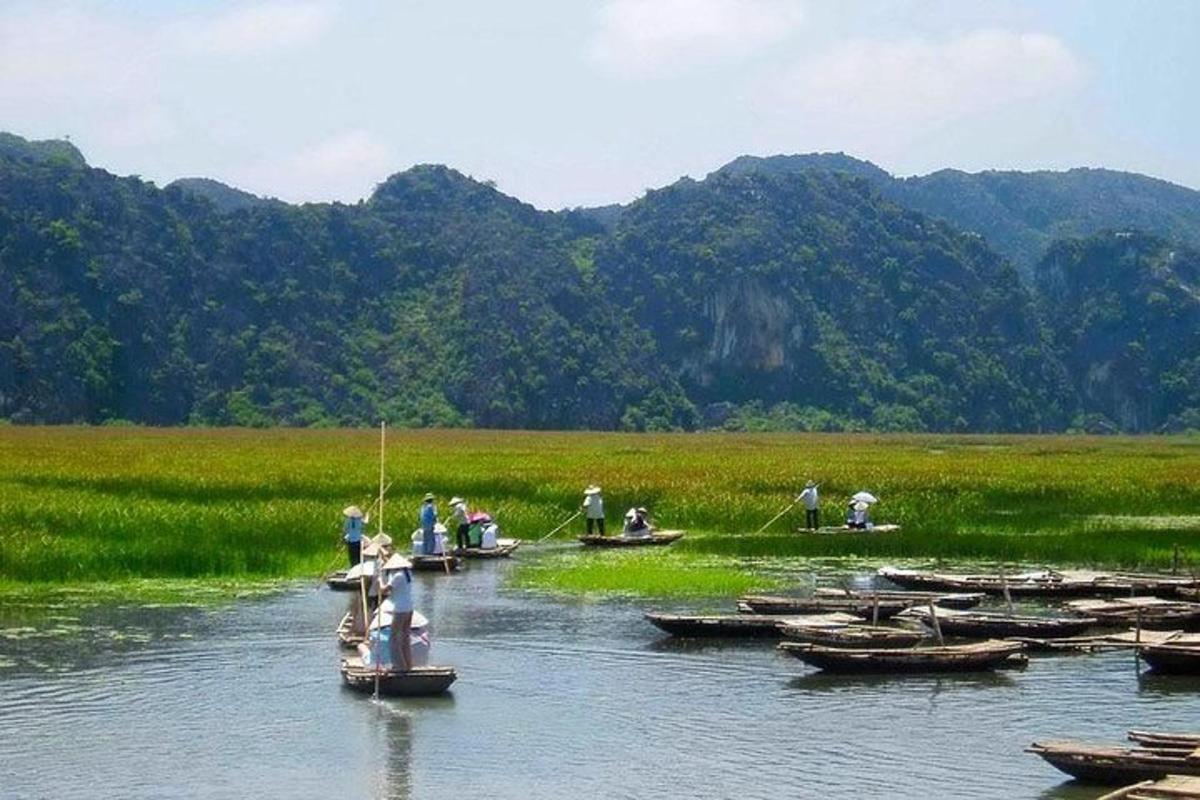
column 584, row 102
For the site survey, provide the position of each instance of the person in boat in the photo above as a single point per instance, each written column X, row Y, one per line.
column 352, row 533
column 637, row 522
column 593, row 509
column 460, row 521
column 428, row 518
column 858, row 515
column 812, row 506
column 398, row 590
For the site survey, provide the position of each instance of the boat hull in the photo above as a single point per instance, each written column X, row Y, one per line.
column 1175, row 659
column 1114, row 765
column 417, row 682
column 663, row 538
column 952, row 658
column 499, row 551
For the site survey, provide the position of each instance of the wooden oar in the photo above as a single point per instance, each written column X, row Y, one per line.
column 777, row 516
column 560, row 527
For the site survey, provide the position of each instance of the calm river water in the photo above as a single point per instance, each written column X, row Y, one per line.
column 555, row 699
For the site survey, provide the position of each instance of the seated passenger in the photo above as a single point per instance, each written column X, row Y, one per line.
column 637, row 522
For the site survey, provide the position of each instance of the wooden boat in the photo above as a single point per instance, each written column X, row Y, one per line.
column 503, row 549
column 992, row 625
column 656, row 538
column 831, row 529
column 852, row 635
column 724, row 625
column 974, row 657
column 417, row 682
column 434, row 563
column 956, row 600
column 1148, row 612
column 859, row 606
column 1180, row 659
column 1172, row 787
column 1115, row 765
column 340, row 583
column 346, row 635
column 1046, row 583
column 1181, row 741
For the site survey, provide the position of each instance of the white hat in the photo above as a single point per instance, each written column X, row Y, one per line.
column 363, row 569
column 809, row 485
column 860, row 506
column 456, row 500
column 593, row 489
column 397, row 561
column 352, row 511
column 428, row 497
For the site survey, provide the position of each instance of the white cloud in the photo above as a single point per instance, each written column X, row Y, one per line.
column 253, row 29
column 636, row 37
column 344, row 166
column 922, row 83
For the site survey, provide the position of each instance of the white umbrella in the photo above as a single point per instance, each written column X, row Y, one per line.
column 865, row 497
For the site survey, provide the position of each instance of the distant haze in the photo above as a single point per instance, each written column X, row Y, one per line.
column 586, row 103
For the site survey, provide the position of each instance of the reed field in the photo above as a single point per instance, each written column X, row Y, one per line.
column 137, row 507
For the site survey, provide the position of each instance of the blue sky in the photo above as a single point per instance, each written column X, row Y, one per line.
column 577, row 103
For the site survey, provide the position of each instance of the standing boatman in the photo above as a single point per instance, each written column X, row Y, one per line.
column 812, row 506
column 593, row 507
column 458, row 518
column 428, row 520
column 352, row 533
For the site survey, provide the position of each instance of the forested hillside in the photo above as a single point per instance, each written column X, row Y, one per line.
column 757, row 298
column 1020, row 214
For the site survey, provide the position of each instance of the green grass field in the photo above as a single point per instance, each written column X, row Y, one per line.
column 136, row 507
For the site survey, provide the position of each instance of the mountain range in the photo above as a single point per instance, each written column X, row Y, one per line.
column 811, row 292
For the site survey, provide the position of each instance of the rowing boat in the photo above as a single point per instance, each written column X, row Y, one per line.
column 656, row 538
column 1114, row 764
column 974, row 657
column 956, row 600
column 434, row 563
column 503, row 549
column 850, row 635
column 991, row 625
column 831, row 529
column 1172, row 787
column 1148, row 612
column 1181, row 659
column 346, row 635
column 728, row 625
column 1180, row 741
column 416, row 682
column 340, row 583
column 866, row 607
column 1045, row 583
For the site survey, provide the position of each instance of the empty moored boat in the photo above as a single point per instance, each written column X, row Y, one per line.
column 728, row 625
column 1146, row 612
column 955, row 600
column 994, row 625
column 620, row 540
column 866, row 607
column 975, row 657
column 1114, row 764
column 1044, row 583
column 850, row 635
column 1172, row 787
column 417, row 682
column 1180, row 659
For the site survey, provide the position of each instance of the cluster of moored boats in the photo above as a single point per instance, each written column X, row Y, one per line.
column 933, row 623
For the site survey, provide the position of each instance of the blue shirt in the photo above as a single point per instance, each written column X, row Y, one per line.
column 353, row 529
column 428, row 516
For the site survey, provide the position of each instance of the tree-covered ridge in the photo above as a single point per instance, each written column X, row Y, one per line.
column 1020, row 214
column 756, row 299
column 1125, row 313
column 810, row 289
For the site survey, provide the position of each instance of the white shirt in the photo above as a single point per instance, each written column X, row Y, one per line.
column 594, row 506
column 401, row 591
column 809, row 496
column 459, row 515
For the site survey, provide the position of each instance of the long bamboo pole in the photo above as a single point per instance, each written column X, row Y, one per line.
column 560, row 527
column 777, row 516
column 378, row 557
